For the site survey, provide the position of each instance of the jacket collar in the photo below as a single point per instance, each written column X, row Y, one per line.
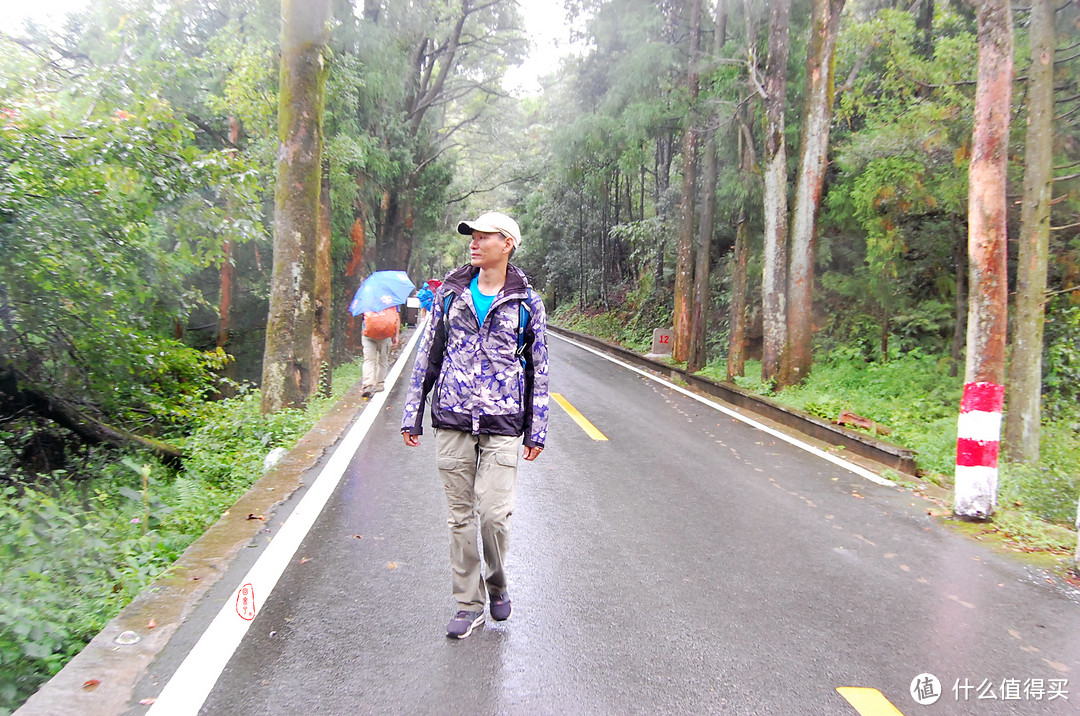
column 460, row 278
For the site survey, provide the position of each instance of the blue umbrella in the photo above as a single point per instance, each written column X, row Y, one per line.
column 381, row 290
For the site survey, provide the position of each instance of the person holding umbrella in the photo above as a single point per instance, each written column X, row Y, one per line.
column 377, row 299
column 485, row 353
column 381, row 332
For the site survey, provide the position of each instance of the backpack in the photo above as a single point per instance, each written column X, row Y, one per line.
column 523, row 321
column 383, row 324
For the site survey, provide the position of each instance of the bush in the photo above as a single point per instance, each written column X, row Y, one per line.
column 1061, row 360
column 66, row 570
column 72, row 554
column 630, row 326
column 1046, row 491
column 913, row 395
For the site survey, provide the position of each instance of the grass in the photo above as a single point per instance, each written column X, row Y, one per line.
column 74, row 553
column 914, row 396
column 630, row 325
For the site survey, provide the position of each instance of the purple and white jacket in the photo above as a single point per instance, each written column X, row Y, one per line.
column 481, row 385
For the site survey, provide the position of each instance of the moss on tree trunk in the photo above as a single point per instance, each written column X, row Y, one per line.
column 287, row 362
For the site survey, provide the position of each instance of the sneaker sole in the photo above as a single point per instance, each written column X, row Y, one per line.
column 476, row 622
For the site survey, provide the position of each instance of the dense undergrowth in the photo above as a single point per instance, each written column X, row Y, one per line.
column 913, row 395
column 74, row 552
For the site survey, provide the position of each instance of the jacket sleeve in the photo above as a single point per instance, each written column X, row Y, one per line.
column 429, row 357
column 536, row 374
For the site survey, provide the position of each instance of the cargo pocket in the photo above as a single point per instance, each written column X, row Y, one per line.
column 504, row 472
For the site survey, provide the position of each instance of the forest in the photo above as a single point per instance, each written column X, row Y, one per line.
column 785, row 183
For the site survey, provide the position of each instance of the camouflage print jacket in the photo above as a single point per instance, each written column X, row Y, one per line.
column 481, row 385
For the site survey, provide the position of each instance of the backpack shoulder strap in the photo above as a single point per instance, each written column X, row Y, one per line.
column 523, row 322
column 447, row 300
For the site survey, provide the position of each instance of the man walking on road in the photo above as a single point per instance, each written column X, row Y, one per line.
column 485, row 354
column 381, row 331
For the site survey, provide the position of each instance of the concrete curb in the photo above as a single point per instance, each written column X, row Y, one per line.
column 893, row 456
column 116, row 668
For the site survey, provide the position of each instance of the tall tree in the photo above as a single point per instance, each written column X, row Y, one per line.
column 774, row 271
column 1025, row 365
column 737, row 337
column 736, row 360
column 684, row 262
column 228, row 267
column 457, row 54
column 698, row 356
column 322, row 335
column 980, row 417
column 287, row 362
column 813, row 148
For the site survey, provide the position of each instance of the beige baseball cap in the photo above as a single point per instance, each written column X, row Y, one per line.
column 492, row 222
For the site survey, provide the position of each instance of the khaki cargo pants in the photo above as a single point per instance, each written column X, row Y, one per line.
column 479, row 474
column 376, row 362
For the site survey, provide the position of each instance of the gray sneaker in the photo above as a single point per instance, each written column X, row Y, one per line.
column 500, row 607
column 463, row 624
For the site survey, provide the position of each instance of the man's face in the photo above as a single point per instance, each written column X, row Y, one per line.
column 489, row 250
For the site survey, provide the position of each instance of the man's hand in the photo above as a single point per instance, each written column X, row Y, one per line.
column 410, row 439
column 531, row 453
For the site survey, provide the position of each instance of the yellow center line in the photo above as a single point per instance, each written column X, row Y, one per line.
column 580, row 419
column 868, row 702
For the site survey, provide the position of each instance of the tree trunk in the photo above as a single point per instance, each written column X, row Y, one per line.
column 228, row 272
column 322, row 337
column 665, row 147
column 980, row 412
column 813, row 151
column 960, row 325
column 17, row 397
column 228, row 269
column 698, row 355
column 354, row 275
column 684, row 266
column 774, row 272
column 925, row 23
column 432, row 67
column 721, row 25
column 1025, row 365
column 736, row 362
column 886, row 327
column 583, row 285
column 287, row 368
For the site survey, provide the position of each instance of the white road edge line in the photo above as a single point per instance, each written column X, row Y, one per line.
column 192, row 682
column 860, row 471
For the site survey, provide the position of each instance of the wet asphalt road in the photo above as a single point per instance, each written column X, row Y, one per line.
column 691, row 564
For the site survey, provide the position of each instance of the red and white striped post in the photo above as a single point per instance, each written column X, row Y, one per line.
column 977, row 445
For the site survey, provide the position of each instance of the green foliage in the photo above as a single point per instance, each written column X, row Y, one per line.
column 69, row 559
column 237, row 428
column 104, row 214
column 910, row 395
column 1061, row 362
column 72, row 554
column 631, row 325
column 1047, row 491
